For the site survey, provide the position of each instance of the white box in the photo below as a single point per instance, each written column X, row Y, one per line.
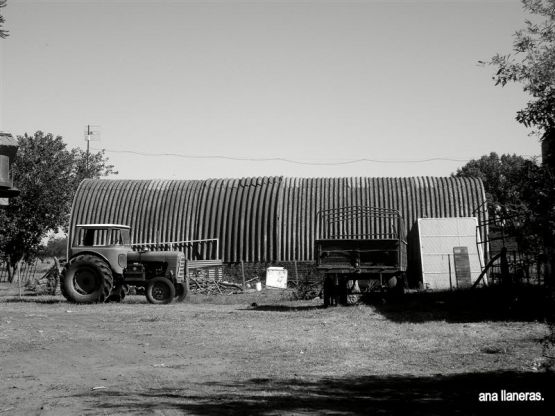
column 276, row 277
column 438, row 238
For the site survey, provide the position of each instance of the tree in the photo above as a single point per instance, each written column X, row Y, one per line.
column 55, row 247
column 508, row 183
column 502, row 177
column 533, row 65
column 520, row 195
column 47, row 174
column 3, row 33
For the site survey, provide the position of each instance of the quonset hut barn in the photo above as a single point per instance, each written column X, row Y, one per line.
column 264, row 220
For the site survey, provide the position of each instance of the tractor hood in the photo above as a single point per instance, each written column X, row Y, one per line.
column 171, row 264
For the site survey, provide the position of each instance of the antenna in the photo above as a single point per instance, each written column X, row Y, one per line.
column 91, row 133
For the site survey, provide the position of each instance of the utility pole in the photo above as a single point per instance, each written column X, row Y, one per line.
column 88, row 138
column 91, row 133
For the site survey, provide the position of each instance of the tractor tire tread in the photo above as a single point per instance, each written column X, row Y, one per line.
column 101, row 265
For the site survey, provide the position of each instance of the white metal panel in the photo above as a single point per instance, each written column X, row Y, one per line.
column 276, row 277
column 438, row 237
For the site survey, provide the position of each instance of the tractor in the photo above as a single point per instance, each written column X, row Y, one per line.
column 102, row 265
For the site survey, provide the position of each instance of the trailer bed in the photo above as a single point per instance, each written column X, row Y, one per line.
column 361, row 255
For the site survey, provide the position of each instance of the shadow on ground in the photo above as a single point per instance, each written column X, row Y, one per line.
column 407, row 395
column 519, row 303
column 34, row 299
column 283, row 308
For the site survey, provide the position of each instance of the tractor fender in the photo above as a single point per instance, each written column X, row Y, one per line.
column 110, row 256
column 90, row 253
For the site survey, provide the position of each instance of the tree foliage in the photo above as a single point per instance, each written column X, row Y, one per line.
column 533, row 65
column 47, row 174
column 502, row 178
column 520, row 195
column 3, row 33
column 55, row 247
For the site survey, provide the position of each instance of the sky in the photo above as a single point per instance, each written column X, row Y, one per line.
column 229, row 89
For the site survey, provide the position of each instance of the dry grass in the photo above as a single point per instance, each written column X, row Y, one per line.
column 277, row 357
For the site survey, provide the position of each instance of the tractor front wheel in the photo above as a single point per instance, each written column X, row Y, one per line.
column 160, row 290
column 181, row 291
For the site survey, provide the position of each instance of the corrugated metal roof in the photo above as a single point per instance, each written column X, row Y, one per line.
column 8, row 146
column 265, row 218
column 6, row 139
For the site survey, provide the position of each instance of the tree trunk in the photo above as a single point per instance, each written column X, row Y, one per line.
column 13, row 268
column 11, row 272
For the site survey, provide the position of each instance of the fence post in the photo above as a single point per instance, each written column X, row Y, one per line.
column 296, row 273
column 243, row 274
column 450, row 280
column 19, row 278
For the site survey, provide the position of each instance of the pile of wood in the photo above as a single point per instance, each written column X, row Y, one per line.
column 208, row 286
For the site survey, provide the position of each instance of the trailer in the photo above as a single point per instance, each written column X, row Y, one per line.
column 358, row 250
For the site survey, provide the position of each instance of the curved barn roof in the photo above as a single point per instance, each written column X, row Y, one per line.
column 263, row 218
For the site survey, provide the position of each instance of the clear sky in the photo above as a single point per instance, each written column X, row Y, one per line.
column 320, row 82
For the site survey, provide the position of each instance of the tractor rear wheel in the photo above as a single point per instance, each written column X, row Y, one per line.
column 160, row 290
column 86, row 279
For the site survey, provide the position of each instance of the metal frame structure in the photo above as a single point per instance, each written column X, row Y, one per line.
column 349, row 250
column 176, row 245
column 392, row 229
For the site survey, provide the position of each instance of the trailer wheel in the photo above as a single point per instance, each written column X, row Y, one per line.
column 160, row 290
column 353, row 299
column 393, row 282
column 398, row 286
column 331, row 291
column 354, row 294
column 326, row 292
column 343, row 291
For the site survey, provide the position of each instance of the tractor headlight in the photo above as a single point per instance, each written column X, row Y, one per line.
column 122, row 261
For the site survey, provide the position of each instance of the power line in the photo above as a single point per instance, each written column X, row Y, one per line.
column 286, row 160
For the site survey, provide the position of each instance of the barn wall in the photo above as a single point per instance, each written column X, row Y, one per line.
column 266, row 218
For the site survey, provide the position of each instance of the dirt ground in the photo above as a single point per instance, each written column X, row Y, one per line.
column 276, row 357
